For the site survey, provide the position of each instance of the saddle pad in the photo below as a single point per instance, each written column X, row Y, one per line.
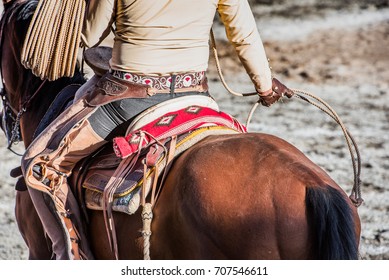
column 168, row 106
column 127, row 196
column 173, row 123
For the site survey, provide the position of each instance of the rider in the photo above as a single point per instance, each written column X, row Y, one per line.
column 156, row 45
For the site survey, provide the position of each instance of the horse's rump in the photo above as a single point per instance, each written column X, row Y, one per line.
column 247, row 193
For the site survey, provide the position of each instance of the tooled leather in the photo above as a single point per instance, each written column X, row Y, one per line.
column 109, row 89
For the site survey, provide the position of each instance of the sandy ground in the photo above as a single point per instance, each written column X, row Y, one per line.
column 340, row 56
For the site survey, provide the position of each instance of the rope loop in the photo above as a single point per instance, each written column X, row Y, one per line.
column 355, row 196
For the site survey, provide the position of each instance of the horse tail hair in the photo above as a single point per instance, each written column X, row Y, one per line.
column 331, row 224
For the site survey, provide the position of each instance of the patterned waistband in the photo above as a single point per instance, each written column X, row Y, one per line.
column 179, row 81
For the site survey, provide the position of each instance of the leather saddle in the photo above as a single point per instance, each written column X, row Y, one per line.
column 150, row 162
column 97, row 58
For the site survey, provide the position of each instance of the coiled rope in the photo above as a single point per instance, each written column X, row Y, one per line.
column 355, row 195
column 53, row 38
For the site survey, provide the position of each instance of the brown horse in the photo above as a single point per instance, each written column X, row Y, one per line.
column 243, row 196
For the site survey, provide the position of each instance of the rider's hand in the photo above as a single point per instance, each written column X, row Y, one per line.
column 278, row 91
column 281, row 89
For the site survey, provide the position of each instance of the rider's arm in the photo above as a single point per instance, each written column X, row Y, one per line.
column 99, row 18
column 241, row 30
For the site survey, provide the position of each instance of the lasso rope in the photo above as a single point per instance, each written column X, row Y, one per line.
column 217, row 62
column 355, row 195
column 53, row 38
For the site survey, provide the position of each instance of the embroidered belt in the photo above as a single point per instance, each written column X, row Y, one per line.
column 176, row 81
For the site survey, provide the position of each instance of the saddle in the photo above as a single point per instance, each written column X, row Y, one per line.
column 141, row 158
column 97, row 58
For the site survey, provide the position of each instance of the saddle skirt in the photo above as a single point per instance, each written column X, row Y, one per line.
column 139, row 159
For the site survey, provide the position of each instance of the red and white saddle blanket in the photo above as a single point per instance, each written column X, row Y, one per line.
column 173, row 123
column 146, row 147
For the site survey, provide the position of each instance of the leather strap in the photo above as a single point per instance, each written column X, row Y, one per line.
column 74, row 238
column 164, row 82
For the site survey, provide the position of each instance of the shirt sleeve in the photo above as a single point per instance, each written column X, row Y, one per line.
column 242, row 32
column 99, row 18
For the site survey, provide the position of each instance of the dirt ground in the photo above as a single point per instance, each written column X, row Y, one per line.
column 340, row 55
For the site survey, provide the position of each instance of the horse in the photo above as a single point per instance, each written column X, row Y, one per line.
column 241, row 196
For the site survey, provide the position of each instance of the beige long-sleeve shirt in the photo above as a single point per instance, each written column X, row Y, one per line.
column 172, row 36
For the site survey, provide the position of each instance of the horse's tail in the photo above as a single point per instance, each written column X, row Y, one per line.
column 332, row 224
